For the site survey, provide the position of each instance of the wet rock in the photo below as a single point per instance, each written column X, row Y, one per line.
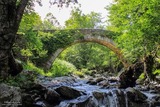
column 84, row 101
column 27, row 100
column 100, row 99
column 87, row 103
column 136, row 98
column 35, row 88
column 99, row 79
column 41, row 104
column 10, row 96
column 52, row 97
column 96, row 80
column 97, row 75
column 93, row 73
column 103, row 83
column 33, row 94
column 65, row 80
column 92, row 82
column 97, row 99
column 56, row 82
column 157, row 88
column 157, row 98
column 135, row 95
column 154, row 101
column 98, row 95
column 119, row 97
column 139, row 82
column 158, row 78
column 113, row 79
column 68, row 92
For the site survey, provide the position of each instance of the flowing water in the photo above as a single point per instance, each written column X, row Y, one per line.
column 98, row 96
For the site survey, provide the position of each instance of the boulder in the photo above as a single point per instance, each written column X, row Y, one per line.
column 92, row 82
column 136, row 98
column 113, row 79
column 32, row 94
column 68, row 92
column 104, row 83
column 156, row 101
column 99, row 79
column 84, row 101
column 135, row 95
column 98, row 95
column 10, row 96
column 119, row 97
column 52, row 97
column 27, row 100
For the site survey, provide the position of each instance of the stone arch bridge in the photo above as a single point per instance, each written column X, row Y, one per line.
column 102, row 37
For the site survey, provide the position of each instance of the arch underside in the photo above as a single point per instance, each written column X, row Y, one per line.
column 102, row 41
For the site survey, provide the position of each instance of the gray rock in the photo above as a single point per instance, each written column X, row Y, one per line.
column 98, row 95
column 135, row 95
column 52, row 97
column 99, row 79
column 68, row 92
column 92, row 82
column 103, row 83
column 136, row 98
column 10, row 96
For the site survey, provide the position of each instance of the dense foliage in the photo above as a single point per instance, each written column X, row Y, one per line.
column 28, row 42
column 137, row 25
column 80, row 20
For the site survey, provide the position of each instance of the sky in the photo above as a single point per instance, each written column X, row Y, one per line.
column 62, row 14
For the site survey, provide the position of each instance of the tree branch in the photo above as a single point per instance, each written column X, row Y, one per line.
column 20, row 10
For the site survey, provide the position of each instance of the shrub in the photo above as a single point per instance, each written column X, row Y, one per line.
column 24, row 79
column 29, row 66
column 61, row 68
column 79, row 73
column 86, row 71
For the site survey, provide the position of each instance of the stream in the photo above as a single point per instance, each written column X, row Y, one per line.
column 97, row 92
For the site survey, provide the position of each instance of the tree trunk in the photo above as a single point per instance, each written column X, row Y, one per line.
column 148, row 66
column 129, row 76
column 10, row 16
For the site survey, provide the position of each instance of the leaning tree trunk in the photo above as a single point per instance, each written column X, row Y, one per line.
column 10, row 16
column 129, row 76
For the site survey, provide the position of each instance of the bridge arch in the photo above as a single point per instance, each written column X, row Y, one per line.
column 89, row 35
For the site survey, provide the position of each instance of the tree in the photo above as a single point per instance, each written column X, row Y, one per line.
column 80, row 20
column 30, row 21
column 137, row 25
column 11, row 12
column 50, row 22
